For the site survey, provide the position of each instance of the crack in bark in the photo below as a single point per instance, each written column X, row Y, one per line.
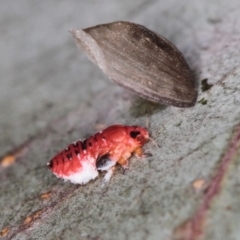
column 193, row 228
column 37, row 216
column 10, row 157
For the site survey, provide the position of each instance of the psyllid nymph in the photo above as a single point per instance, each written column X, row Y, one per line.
column 81, row 161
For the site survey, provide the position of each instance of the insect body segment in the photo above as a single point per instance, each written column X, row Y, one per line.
column 81, row 160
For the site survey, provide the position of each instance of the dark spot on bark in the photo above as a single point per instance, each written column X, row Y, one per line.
column 134, row 134
column 203, row 101
column 205, row 85
column 89, row 144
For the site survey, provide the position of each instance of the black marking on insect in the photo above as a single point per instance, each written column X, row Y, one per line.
column 102, row 161
column 84, row 144
column 134, row 134
column 69, row 156
column 50, row 164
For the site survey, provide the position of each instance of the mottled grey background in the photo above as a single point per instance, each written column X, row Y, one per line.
column 51, row 93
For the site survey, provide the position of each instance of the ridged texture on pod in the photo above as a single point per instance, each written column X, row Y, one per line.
column 140, row 60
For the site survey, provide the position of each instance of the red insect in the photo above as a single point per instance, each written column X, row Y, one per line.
column 81, row 160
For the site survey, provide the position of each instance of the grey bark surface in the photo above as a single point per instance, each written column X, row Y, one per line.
column 51, row 95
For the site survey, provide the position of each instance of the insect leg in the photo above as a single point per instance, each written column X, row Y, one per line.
column 123, row 162
column 138, row 152
column 109, row 174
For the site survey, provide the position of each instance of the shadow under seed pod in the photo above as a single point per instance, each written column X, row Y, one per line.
column 142, row 107
column 140, row 60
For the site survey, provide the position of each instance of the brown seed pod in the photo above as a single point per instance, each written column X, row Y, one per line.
column 140, row 60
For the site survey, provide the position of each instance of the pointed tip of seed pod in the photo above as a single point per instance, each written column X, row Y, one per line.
column 72, row 31
column 140, row 60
